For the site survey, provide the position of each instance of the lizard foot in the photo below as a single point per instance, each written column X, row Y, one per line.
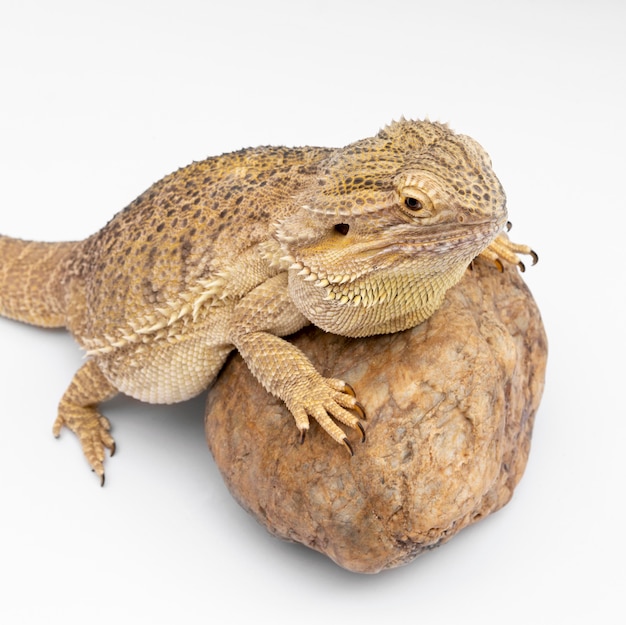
column 331, row 399
column 503, row 249
column 93, row 431
column 78, row 412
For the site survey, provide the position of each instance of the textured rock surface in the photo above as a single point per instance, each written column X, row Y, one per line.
column 450, row 408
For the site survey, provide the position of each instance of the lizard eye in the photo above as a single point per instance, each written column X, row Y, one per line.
column 416, row 202
column 413, row 204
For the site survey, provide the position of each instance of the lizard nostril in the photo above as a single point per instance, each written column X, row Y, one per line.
column 342, row 229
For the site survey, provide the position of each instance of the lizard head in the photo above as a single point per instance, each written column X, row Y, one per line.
column 387, row 225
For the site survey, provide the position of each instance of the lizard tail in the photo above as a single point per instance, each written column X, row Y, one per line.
column 31, row 281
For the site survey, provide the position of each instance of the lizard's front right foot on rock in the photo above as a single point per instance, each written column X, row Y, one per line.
column 93, row 431
column 327, row 400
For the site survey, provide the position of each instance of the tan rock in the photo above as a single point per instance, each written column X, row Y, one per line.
column 450, row 408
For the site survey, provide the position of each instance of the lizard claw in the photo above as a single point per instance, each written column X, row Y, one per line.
column 359, row 408
column 362, row 431
column 347, row 444
column 101, row 478
column 349, row 390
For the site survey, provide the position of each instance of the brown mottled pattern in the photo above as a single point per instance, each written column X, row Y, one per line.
column 183, row 228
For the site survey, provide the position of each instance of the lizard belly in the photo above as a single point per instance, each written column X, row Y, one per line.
column 164, row 373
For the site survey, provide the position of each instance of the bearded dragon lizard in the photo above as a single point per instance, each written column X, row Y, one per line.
column 239, row 250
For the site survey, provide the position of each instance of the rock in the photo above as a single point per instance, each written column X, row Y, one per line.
column 450, row 408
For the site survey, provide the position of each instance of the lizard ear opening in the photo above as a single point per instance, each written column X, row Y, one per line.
column 342, row 229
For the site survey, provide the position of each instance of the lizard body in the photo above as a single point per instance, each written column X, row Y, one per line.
column 239, row 250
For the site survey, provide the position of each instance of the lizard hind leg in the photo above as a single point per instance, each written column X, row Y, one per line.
column 78, row 412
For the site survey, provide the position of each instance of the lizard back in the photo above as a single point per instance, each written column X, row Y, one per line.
column 154, row 259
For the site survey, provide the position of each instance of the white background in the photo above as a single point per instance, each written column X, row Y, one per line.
column 100, row 99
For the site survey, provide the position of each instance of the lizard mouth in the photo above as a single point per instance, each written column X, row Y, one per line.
column 440, row 239
column 366, row 256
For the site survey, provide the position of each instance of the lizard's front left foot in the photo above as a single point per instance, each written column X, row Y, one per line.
column 326, row 399
column 78, row 412
column 93, row 431
column 503, row 249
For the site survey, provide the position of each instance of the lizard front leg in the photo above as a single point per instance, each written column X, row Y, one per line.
column 259, row 320
column 78, row 412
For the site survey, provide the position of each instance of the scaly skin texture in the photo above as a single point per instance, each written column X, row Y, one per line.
column 239, row 250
